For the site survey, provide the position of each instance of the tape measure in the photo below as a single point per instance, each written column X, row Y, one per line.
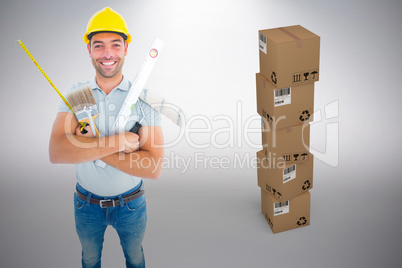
column 137, row 87
column 83, row 124
column 44, row 74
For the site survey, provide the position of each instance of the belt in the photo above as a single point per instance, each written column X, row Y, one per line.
column 107, row 203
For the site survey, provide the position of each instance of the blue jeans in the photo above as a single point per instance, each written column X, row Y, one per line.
column 129, row 220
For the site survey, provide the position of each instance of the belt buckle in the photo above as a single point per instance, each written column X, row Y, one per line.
column 105, row 200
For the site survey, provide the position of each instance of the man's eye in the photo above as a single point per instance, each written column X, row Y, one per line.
column 117, row 45
column 97, row 46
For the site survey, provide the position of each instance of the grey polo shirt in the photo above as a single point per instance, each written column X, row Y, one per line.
column 96, row 176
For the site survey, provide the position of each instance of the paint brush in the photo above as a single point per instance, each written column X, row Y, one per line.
column 83, row 103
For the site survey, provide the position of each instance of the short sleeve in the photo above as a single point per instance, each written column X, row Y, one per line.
column 151, row 116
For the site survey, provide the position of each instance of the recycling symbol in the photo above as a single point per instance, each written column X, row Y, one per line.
column 264, row 114
column 273, row 78
column 302, row 221
column 305, row 115
column 306, row 185
column 268, row 219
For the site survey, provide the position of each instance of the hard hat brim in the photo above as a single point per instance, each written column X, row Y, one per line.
column 87, row 36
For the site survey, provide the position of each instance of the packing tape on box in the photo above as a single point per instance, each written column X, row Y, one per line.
column 295, row 37
column 264, row 82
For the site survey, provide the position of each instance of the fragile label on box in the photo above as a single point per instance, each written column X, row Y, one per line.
column 282, row 96
column 267, row 116
column 289, row 173
column 281, row 208
column 296, row 157
column 305, row 77
column 263, row 43
column 274, row 192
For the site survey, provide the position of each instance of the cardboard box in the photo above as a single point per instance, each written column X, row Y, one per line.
column 291, row 143
column 283, row 216
column 284, row 107
column 289, row 56
column 284, row 180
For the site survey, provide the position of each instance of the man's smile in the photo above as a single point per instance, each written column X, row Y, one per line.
column 108, row 63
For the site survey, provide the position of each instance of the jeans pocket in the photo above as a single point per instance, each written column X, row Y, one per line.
column 78, row 202
column 136, row 204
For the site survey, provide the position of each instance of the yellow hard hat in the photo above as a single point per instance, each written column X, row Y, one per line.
column 106, row 20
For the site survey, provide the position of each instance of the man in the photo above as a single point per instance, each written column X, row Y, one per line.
column 109, row 186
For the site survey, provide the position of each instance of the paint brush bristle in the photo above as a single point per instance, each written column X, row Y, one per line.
column 81, row 97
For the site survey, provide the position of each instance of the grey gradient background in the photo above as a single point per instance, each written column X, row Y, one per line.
column 208, row 217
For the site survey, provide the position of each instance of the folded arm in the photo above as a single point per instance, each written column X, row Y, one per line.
column 67, row 147
column 119, row 151
column 146, row 162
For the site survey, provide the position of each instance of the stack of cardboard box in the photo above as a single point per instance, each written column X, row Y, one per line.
column 289, row 66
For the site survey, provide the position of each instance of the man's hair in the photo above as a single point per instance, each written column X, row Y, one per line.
column 121, row 34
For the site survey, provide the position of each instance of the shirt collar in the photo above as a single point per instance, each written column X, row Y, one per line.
column 124, row 84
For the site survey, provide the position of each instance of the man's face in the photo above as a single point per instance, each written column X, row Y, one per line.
column 107, row 51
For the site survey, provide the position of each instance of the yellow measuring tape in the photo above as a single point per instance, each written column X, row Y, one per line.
column 50, row 81
column 44, row 74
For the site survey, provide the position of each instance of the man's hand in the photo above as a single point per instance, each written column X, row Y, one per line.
column 88, row 129
column 128, row 142
column 145, row 163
